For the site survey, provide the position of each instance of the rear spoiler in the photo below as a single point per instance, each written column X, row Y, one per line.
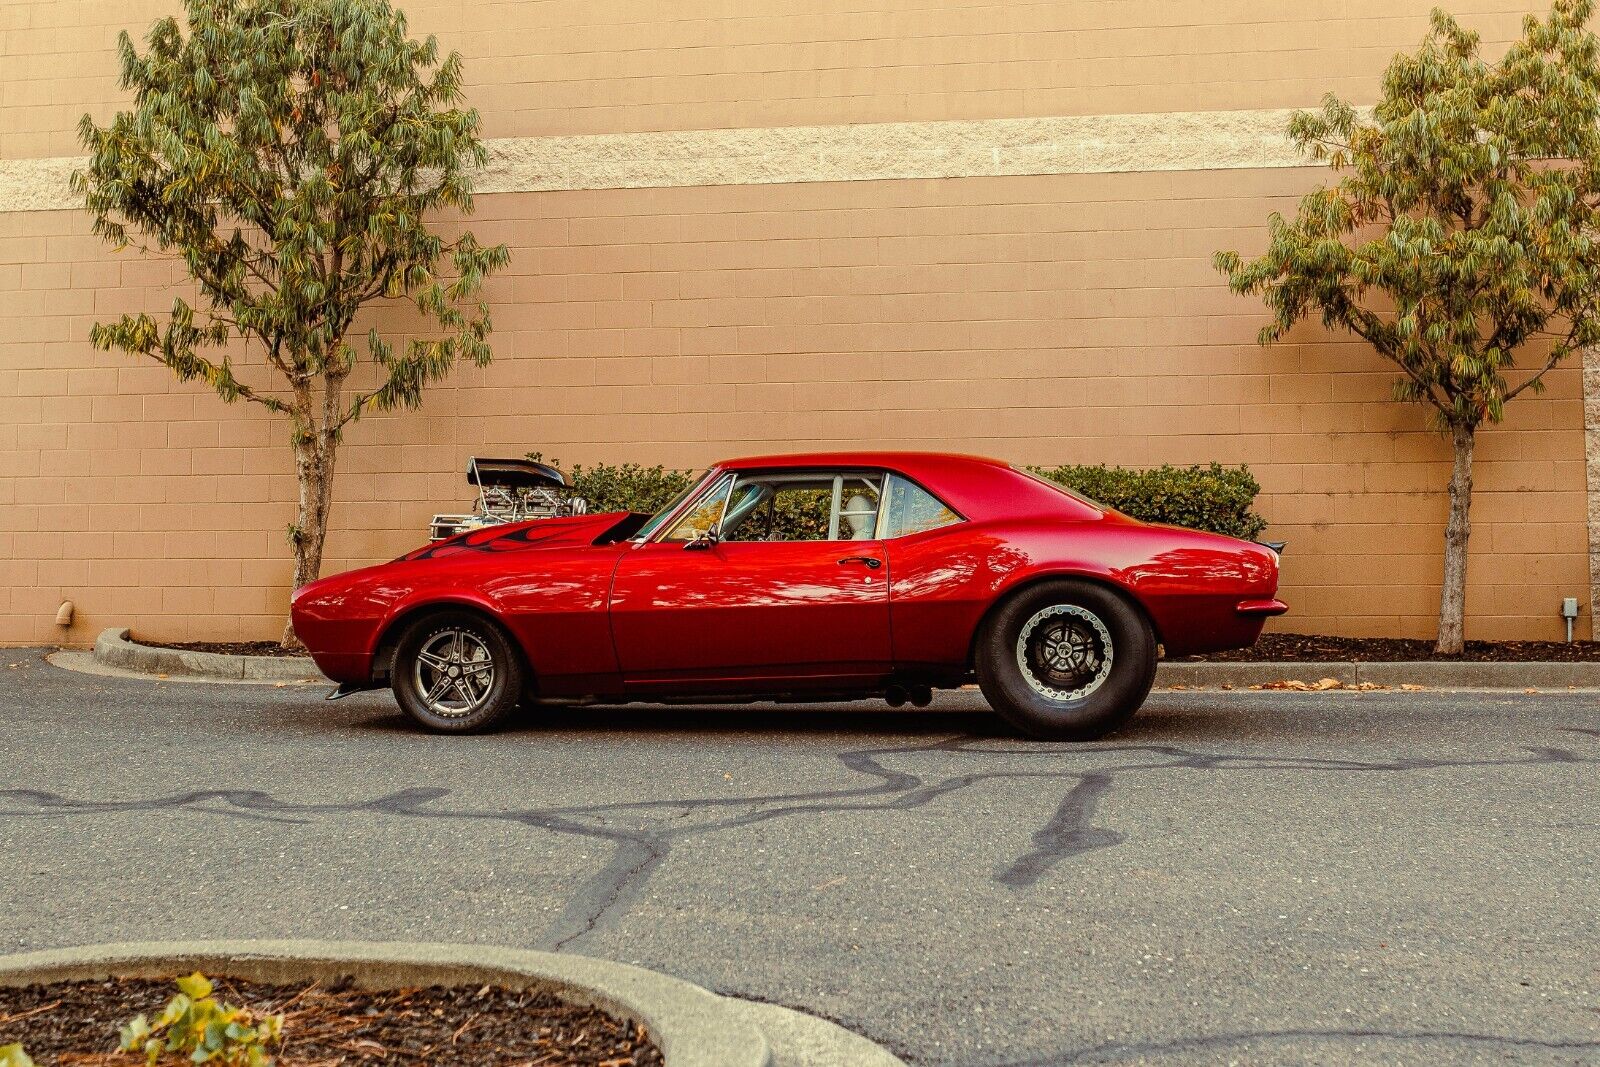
column 1276, row 546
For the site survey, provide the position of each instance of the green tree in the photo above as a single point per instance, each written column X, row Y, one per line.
column 1461, row 236
column 291, row 152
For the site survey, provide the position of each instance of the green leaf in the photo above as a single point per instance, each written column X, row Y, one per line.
column 13, row 1056
column 337, row 143
column 196, row 986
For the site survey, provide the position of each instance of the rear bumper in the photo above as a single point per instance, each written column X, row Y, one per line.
column 1264, row 607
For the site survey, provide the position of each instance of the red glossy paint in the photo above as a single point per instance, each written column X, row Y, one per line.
column 624, row 618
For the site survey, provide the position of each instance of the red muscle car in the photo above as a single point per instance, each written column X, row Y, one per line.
column 810, row 577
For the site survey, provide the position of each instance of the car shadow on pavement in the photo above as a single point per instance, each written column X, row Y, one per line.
column 866, row 719
column 714, row 719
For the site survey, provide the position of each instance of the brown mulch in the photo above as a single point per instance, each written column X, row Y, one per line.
column 1301, row 648
column 225, row 648
column 74, row 1024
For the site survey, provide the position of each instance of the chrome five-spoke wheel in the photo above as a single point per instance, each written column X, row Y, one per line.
column 457, row 672
column 454, row 672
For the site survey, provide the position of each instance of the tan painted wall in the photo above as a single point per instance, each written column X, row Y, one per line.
column 611, row 66
column 1043, row 319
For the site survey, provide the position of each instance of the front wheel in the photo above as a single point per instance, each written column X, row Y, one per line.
column 455, row 672
column 1066, row 661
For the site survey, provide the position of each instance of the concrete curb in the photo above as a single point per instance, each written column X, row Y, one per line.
column 114, row 649
column 693, row 1026
column 1445, row 674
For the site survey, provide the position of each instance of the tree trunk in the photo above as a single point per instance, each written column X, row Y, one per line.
column 1453, row 597
column 313, row 460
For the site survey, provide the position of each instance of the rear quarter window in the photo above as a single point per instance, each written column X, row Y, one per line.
column 912, row 509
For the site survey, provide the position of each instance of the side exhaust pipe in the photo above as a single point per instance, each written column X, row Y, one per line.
column 918, row 696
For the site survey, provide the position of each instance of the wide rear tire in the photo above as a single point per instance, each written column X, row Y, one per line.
column 1066, row 660
column 456, row 672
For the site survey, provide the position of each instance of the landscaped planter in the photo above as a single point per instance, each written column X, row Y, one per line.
column 115, row 648
column 691, row 1026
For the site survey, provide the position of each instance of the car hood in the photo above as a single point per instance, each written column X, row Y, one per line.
column 570, row 532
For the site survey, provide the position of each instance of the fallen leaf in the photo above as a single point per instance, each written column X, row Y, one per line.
column 1530, row 689
column 1412, row 688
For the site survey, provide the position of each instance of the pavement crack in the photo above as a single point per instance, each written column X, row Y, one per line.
column 1067, row 834
column 603, row 898
column 1183, row 1048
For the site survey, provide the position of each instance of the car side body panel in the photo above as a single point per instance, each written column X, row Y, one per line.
column 750, row 610
column 1190, row 583
column 597, row 616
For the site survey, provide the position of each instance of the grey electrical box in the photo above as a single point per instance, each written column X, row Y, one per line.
column 1569, row 607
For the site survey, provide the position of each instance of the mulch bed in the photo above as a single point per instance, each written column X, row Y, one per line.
column 225, row 648
column 1301, row 648
column 74, row 1024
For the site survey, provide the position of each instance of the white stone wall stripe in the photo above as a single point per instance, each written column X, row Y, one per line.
column 1089, row 144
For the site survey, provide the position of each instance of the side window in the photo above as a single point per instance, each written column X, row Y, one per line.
column 859, row 498
column 706, row 513
column 913, row 509
column 803, row 506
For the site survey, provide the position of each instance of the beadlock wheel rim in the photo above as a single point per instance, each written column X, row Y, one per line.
column 454, row 673
column 1064, row 652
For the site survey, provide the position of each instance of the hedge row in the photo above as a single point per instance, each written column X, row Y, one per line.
column 1210, row 497
column 1203, row 497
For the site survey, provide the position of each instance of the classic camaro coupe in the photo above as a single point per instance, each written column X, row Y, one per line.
column 835, row 576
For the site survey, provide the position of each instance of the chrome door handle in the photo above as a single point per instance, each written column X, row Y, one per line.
column 866, row 561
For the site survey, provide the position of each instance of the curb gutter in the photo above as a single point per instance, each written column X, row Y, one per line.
column 693, row 1026
column 1434, row 674
column 114, row 649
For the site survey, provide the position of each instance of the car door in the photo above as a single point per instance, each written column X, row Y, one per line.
column 792, row 586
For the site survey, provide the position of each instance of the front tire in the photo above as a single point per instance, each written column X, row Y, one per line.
column 1066, row 660
column 455, row 672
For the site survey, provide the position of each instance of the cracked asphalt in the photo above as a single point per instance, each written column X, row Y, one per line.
column 1240, row 877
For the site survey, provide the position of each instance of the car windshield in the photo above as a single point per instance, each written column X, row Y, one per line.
column 660, row 517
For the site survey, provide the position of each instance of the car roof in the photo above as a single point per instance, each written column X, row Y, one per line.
column 908, row 463
column 976, row 486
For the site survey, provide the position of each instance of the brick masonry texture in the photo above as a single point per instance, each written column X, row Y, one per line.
column 622, row 66
column 1053, row 317
column 1085, row 144
column 1070, row 318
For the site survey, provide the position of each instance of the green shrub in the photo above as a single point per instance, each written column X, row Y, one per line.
column 623, row 486
column 1212, row 497
column 1203, row 497
column 201, row 1029
column 13, row 1056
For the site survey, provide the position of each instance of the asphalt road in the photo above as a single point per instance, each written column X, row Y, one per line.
column 1240, row 877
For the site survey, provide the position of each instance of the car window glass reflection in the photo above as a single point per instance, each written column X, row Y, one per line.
column 704, row 515
column 822, row 506
column 913, row 509
column 665, row 513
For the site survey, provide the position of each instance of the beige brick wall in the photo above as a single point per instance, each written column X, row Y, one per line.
column 1042, row 319
column 613, row 66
